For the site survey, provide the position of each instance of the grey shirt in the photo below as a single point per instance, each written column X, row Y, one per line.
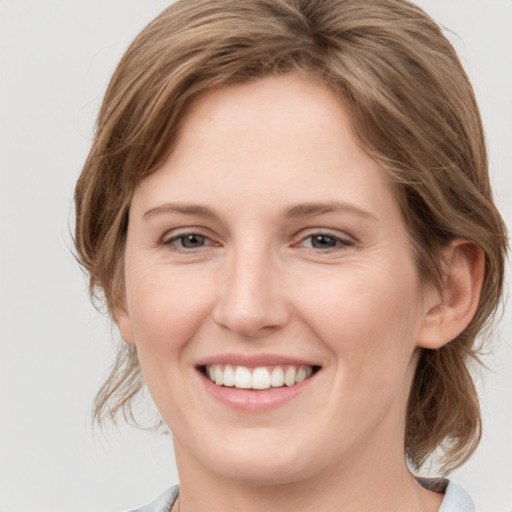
column 456, row 499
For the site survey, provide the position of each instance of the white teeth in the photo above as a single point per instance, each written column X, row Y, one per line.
column 289, row 376
column 258, row 378
column 219, row 375
column 301, row 375
column 277, row 379
column 229, row 376
column 243, row 378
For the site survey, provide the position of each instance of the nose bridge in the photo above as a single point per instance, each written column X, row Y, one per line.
column 250, row 300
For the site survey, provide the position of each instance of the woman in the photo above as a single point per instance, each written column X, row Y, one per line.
column 288, row 211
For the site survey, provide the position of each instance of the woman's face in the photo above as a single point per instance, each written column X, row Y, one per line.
column 269, row 247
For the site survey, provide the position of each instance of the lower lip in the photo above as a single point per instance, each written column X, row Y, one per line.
column 251, row 400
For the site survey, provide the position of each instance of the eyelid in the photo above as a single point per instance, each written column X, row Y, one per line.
column 175, row 234
column 177, row 231
column 344, row 239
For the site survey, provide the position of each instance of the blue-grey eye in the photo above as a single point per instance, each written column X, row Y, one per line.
column 192, row 241
column 323, row 241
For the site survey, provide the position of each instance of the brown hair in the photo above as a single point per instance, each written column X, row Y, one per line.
column 413, row 110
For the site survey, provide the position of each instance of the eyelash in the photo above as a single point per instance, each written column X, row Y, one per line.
column 171, row 241
column 341, row 243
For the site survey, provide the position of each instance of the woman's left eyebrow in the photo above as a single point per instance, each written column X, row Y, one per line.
column 314, row 208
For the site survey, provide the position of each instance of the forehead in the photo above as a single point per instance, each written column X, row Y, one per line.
column 281, row 111
column 271, row 141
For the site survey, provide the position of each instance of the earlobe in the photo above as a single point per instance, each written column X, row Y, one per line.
column 125, row 326
column 450, row 310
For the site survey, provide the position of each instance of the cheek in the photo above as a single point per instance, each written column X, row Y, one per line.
column 166, row 309
column 166, row 313
column 366, row 316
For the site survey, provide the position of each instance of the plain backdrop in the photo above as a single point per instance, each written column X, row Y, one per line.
column 56, row 58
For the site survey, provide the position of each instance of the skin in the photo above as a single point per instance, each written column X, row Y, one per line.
column 259, row 283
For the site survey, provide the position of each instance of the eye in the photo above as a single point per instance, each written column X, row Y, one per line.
column 187, row 241
column 325, row 242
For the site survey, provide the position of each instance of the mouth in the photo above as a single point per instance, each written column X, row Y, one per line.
column 260, row 378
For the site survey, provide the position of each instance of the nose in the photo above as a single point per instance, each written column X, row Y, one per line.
column 250, row 301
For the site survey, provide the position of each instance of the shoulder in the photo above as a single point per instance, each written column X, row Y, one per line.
column 163, row 503
column 456, row 499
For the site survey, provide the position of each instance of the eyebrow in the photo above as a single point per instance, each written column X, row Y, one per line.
column 184, row 209
column 299, row 210
column 311, row 209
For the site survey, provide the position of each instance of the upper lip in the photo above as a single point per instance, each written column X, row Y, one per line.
column 255, row 360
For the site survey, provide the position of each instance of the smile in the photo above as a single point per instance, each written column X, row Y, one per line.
column 259, row 378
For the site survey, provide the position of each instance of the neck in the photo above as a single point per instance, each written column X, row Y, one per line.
column 380, row 482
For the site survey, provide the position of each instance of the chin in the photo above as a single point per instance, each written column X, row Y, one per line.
column 258, row 462
column 261, row 472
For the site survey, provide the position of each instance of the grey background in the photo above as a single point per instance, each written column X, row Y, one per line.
column 56, row 58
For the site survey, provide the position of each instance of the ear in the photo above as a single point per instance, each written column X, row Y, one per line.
column 449, row 311
column 124, row 325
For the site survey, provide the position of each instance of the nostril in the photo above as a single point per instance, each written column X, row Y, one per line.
column 250, row 307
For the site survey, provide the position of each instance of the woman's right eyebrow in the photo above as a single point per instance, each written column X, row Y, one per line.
column 196, row 210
